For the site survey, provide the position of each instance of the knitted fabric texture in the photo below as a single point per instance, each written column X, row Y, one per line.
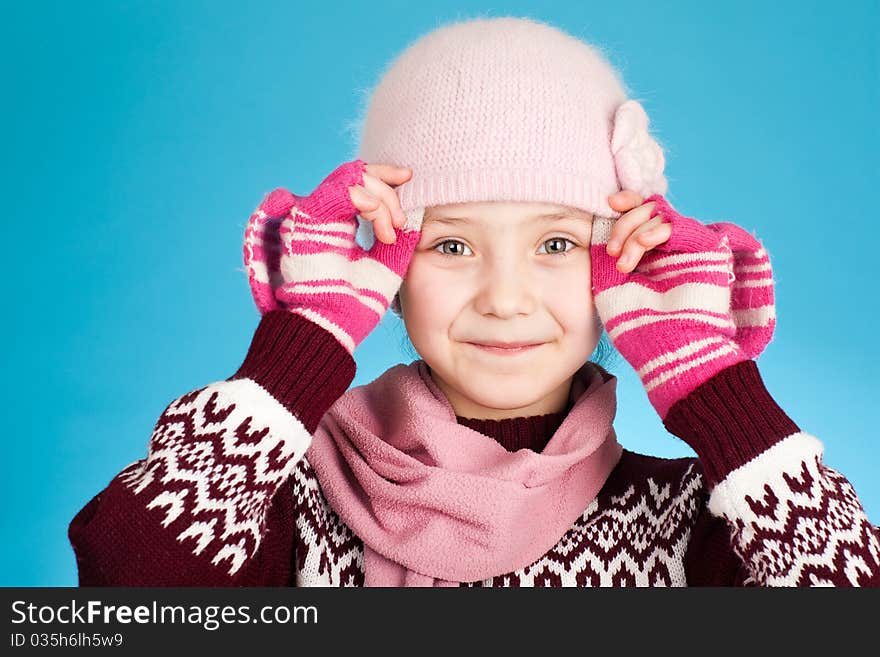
column 696, row 304
column 507, row 109
column 301, row 255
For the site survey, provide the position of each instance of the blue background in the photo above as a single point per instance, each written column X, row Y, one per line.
column 139, row 136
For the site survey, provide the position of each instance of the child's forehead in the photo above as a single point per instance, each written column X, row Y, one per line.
column 516, row 211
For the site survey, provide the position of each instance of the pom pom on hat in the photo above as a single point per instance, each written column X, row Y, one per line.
column 638, row 158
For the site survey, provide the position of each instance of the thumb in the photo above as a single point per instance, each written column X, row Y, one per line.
column 278, row 203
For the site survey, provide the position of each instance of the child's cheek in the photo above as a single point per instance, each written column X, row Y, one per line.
column 434, row 288
column 567, row 294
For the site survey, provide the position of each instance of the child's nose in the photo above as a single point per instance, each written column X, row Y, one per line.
column 506, row 289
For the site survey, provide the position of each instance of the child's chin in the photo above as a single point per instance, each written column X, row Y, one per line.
column 497, row 388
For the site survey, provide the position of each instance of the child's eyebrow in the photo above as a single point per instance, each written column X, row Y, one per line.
column 543, row 218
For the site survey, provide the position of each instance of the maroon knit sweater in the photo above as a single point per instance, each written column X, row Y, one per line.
column 226, row 496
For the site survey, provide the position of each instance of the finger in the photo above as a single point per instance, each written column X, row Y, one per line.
column 626, row 225
column 389, row 173
column 385, row 213
column 643, row 240
column 630, row 258
column 362, row 199
column 625, row 200
column 372, row 209
column 661, row 232
column 388, row 196
column 653, row 232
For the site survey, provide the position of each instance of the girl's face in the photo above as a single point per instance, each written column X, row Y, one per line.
column 502, row 272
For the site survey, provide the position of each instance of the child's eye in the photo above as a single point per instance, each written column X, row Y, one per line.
column 442, row 252
column 559, row 239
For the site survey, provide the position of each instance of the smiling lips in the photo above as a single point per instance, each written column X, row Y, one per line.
column 506, row 348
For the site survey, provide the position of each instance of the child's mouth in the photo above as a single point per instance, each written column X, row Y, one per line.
column 505, row 351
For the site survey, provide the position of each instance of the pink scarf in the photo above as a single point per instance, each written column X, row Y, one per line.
column 437, row 503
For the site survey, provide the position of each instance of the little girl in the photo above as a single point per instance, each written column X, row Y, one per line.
column 514, row 200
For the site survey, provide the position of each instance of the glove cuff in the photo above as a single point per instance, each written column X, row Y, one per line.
column 729, row 420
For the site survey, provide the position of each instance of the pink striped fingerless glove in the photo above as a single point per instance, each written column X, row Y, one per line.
column 301, row 255
column 695, row 305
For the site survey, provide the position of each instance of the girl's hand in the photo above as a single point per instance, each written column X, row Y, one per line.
column 697, row 301
column 301, row 255
column 376, row 201
column 636, row 231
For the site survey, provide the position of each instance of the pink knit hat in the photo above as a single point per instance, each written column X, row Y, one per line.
column 508, row 109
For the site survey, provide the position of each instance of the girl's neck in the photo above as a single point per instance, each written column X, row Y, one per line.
column 528, row 432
